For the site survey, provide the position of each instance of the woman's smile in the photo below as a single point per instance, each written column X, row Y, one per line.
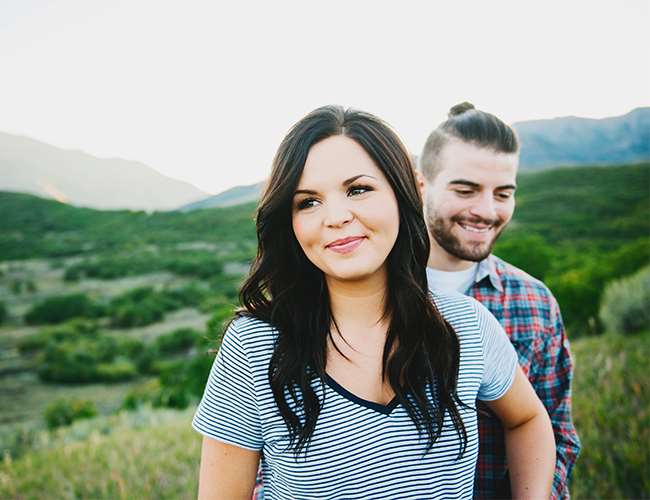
column 346, row 245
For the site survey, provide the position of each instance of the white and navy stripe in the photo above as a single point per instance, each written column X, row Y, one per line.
column 359, row 449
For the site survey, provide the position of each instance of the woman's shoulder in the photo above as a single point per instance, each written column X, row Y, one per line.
column 454, row 306
column 251, row 333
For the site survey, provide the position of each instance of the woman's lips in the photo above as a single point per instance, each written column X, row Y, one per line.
column 346, row 245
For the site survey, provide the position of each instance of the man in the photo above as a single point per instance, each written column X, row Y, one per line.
column 468, row 179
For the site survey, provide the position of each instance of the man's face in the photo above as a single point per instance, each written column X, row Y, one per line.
column 470, row 200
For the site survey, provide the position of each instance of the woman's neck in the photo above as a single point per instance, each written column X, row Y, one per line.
column 358, row 305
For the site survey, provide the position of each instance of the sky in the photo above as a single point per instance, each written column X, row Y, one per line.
column 204, row 91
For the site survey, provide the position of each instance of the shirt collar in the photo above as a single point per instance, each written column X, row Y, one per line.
column 488, row 268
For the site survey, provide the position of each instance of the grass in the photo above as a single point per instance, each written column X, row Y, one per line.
column 152, row 455
column 611, row 409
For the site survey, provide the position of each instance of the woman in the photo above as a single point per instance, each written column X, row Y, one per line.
column 342, row 372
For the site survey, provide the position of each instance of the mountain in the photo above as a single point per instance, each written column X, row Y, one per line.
column 230, row 197
column 584, row 141
column 77, row 178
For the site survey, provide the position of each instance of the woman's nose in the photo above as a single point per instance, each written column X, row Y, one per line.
column 337, row 214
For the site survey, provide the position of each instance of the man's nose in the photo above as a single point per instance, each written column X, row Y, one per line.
column 484, row 207
column 337, row 214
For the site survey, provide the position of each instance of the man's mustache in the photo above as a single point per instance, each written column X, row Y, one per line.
column 477, row 220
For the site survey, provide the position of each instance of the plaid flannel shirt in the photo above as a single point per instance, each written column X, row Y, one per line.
column 531, row 317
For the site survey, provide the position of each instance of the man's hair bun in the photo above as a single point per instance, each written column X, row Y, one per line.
column 459, row 109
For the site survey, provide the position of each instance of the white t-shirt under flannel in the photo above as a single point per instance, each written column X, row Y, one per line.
column 359, row 449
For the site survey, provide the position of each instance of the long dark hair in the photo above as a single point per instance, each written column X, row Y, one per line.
column 285, row 289
column 468, row 124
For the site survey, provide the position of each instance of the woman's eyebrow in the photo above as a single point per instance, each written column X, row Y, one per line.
column 349, row 181
column 304, row 191
column 345, row 183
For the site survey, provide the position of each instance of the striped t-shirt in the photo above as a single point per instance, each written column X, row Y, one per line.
column 359, row 449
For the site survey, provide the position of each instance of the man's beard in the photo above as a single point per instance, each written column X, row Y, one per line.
column 441, row 230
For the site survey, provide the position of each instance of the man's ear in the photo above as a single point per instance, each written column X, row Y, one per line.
column 419, row 178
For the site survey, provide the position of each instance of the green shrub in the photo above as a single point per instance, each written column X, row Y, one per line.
column 528, row 252
column 59, row 309
column 147, row 359
column 182, row 381
column 116, row 371
column 203, row 265
column 142, row 306
column 192, row 294
column 68, row 362
column 69, row 330
column 3, row 312
column 215, row 326
column 131, row 315
column 177, row 341
column 63, row 412
column 626, row 304
column 141, row 395
column 85, row 360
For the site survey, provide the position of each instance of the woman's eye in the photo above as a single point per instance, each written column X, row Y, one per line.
column 357, row 190
column 306, row 203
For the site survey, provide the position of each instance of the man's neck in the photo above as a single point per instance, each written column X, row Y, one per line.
column 442, row 260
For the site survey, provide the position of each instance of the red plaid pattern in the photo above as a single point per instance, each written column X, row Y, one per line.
column 531, row 317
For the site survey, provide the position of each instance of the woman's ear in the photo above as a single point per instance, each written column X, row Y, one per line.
column 419, row 178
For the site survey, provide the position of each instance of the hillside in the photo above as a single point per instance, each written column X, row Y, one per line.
column 227, row 198
column 582, row 141
column 36, row 227
column 75, row 177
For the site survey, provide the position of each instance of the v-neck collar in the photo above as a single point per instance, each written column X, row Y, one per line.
column 338, row 388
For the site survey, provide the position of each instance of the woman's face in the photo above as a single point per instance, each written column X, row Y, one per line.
column 345, row 214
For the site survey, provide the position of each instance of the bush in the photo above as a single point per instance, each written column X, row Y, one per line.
column 216, row 325
column 626, row 304
column 59, row 309
column 177, row 341
column 141, row 395
column 190, row 295
column 86, row 360
column 144, row 305
column 69, row 330
column 528, row 252
column 130, row 315
column 182, row 382
column 63, row 412
column 200, row 264
column 117, row 371
column 3, row 312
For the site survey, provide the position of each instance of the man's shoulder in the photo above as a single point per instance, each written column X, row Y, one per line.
column 516, row 281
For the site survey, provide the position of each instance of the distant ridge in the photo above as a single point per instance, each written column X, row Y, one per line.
column 573, row 141
column 230, row 197
column 77, row 178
